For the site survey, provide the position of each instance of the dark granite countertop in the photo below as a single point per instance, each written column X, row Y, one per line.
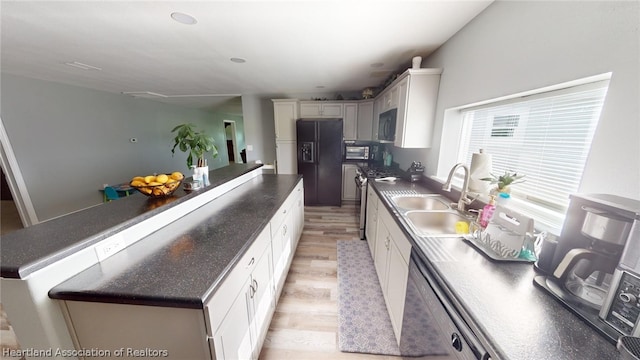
column 518, row 320
column 35, row 247
column 181, row 264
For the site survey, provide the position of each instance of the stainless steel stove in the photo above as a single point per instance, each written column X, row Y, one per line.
column 363, row 174
column 378, row 172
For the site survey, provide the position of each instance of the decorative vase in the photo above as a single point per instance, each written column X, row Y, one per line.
column 416, row 62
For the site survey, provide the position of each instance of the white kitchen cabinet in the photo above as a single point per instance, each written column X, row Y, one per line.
column 232, row 324
column 261, row 303
column 349, row 189
column 239, row 332
column 392, row 251
column 365, row 121
column 285, row 114
column 417, row 96
column 298, row 215
column 371, row 223
column 233, row 338
column 242, row 331
column 286, row 227
column 282, row 244
column 350, row 121
column 377, row 110
column 321, row 109
column 286, row 157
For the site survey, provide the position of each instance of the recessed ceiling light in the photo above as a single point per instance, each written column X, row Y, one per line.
column 183, row 18
column 377, row 65
column 82, row 66
column 238, row 60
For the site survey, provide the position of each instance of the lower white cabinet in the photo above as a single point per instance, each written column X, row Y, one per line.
column 286, row 157
column 232, row 325
column 391, row 259
column 286, row 228
column 349, row 188
column 371, row 223
column 298, row 215
column 241, row 333
column 282, row 251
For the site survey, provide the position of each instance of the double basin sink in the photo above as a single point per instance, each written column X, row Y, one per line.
column 429, row 214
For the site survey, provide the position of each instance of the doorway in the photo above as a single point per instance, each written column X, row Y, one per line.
column 231, row 142
column 10, row 220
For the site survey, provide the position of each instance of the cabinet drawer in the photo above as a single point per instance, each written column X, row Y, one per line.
column 223, row 298
column 284, row 210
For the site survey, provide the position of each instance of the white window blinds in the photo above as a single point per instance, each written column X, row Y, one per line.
column 544, row 136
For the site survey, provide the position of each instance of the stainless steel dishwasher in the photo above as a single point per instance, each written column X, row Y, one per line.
column 431, row 322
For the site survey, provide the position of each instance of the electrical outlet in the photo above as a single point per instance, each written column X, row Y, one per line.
column 109, row 247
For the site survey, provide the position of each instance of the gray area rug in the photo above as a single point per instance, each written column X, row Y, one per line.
column 364, row 325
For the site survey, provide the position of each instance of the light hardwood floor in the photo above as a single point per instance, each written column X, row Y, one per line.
column 305, row 324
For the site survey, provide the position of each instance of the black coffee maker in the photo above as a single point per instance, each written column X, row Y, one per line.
column 579, row 270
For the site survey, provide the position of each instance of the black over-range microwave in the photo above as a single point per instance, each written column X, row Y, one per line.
column 387, row 126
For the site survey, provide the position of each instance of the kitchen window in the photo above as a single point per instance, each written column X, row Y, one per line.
column 546, row 136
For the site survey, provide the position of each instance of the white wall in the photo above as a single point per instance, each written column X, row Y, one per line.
column 515, row 46
column 259, row 128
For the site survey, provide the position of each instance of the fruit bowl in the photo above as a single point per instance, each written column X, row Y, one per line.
column 157, row 186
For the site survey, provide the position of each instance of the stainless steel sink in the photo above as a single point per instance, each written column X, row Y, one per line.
column 435, row 223
column 420, row 202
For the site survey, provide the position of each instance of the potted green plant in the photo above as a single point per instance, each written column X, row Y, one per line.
column 196, row 143
column 503, row 182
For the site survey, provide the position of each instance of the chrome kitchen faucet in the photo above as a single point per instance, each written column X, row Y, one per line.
column 464, row 192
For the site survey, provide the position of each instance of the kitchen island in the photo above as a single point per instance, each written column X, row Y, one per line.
column 511, row 317
column 172, row 253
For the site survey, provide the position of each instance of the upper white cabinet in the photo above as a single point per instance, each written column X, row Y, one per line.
column 417, row 95
column 389, row 99
column 285, row 114
column 321, row 109
column 350, row 121
column 365, row 121
column 377, row 110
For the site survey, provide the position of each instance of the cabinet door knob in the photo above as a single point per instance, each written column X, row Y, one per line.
column 251, row 262
column 255, row 288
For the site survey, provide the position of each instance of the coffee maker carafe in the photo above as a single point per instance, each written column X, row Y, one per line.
column 586, row 272
column 579, row 272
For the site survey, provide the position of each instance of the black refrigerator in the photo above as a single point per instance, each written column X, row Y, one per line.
column 320, row 160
